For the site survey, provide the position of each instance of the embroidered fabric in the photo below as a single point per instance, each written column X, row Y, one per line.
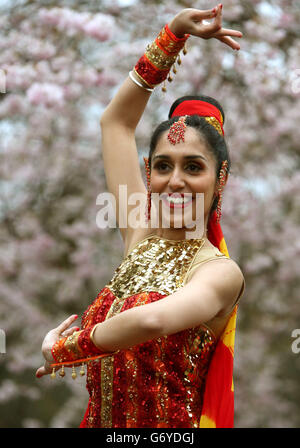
column 159, row 383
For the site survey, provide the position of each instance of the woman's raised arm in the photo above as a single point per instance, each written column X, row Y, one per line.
column 121, row 117
column 119, row 151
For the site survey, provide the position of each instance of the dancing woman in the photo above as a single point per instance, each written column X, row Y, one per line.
column 158, row 339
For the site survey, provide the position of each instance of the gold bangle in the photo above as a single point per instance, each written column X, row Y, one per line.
column 142, row 79
column 93, row 341
column 139, row 83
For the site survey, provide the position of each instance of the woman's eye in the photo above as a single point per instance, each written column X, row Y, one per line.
column 161, row 166
column 194, row 167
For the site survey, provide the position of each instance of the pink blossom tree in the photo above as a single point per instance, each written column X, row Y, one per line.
column 63, row 62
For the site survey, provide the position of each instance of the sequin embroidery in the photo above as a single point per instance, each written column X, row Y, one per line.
column 159, row 383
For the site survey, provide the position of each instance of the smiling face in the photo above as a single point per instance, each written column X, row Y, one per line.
column 187, row 167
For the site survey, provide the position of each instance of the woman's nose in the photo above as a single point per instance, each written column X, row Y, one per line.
column 176, row 180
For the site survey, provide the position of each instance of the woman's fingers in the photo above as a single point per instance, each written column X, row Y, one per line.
column 70, row 331
column 228, row 32
column 41, row 372
column 206, row 14
column 218, row 18
column 66, row 323
column 207, row 29
column 45, row 371
column 229, row 41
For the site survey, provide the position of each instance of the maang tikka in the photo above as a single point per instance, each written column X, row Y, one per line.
column 177, row 131
column 222, row 181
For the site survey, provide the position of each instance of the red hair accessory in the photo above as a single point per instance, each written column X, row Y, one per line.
column 206, row 110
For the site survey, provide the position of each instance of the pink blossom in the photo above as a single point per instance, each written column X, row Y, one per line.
column 46, row 94
column 73, row 91
column 63, row 67
column 19, row 76
column 13, row 104
column 101, row 26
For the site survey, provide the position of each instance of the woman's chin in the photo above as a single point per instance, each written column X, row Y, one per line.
column 175, row 218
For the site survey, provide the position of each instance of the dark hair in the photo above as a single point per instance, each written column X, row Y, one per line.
column 213, row 140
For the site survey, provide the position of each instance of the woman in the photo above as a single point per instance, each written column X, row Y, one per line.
column 167, row 363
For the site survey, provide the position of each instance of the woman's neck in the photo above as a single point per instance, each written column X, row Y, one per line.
column 179, row 234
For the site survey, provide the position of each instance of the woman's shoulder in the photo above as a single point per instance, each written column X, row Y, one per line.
column 210, row 258
column 210, row 262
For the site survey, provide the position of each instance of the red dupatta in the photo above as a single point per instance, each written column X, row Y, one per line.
column 218, row 404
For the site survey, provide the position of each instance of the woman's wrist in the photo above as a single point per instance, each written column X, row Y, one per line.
column 95, row 341
column 177, row 28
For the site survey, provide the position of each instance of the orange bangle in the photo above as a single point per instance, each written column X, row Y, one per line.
column 78, row 348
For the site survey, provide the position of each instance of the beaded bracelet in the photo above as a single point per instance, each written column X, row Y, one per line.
column 160, row 56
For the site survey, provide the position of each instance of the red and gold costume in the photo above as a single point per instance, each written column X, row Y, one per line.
column 183, row 380
column 162, row 383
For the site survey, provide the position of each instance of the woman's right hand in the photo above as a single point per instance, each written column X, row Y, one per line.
column 51, row 337
column 194, row 22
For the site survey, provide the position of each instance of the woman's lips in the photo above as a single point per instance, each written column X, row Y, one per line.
column 177, row 200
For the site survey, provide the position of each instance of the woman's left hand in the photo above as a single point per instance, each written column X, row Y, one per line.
column 51, row 337
column 194, row 22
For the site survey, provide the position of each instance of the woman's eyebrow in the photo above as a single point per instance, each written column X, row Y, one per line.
column 165, row 156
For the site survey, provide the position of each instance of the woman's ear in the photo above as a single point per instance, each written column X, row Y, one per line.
column 223, row 177
column 220, row 185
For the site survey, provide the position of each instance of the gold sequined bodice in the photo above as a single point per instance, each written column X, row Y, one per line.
column 155, row 264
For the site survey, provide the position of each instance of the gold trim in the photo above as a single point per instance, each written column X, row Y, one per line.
column 159, row 58
column 167, row 42
column 71, row 344
column 107, row 368
column 142, row 79
column 215, row 123
column 97, row 345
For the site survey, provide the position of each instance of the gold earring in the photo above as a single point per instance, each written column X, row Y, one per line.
column 222, row 181
column 148, row 207
column 219, row 213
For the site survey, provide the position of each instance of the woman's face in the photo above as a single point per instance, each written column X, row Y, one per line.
column 186, row 167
